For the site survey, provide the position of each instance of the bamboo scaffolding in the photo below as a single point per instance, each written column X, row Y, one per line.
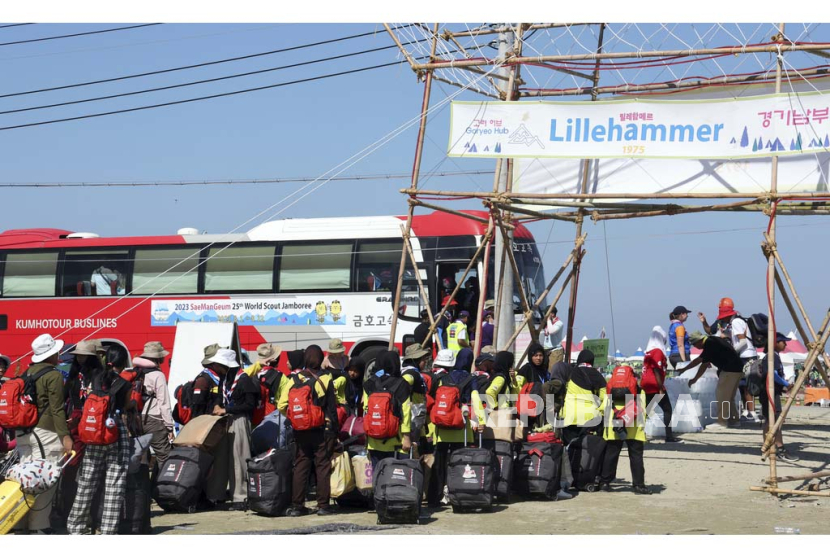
column 446, row 306
column 529, row 313
column 533, row 213
column 671, row 211
column 522, row 197
column 482, row 294
column 423, row 291
column 496, row 31
column 514, row 266
column 812, row 337
column 807, row 477
column 415, row 202
column 473, row 89
column 811, row 360
column 772, row 48
column 772, row 490
column 674, row 85
column 416, row 170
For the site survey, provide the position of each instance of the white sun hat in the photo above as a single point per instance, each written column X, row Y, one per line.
column 44, row 347
column 226, row 357
column 445, row 358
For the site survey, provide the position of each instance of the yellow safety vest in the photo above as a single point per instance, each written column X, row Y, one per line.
column 452, row 336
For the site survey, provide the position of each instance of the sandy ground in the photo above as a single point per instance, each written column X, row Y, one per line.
column 701, row 487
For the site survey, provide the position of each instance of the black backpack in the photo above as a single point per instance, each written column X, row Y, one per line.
column 758, row 325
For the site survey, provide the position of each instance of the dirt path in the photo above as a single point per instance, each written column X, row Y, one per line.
column 702, row 487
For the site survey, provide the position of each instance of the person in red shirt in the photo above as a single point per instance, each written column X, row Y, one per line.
column 653, row 381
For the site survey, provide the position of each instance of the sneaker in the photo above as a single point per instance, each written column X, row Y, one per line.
column 604, row 487
column 325, row 510
column 745, row 414
column 562, row 495
column 641, row 489
column 297, row 511
column 673, row 440
column 782, row 454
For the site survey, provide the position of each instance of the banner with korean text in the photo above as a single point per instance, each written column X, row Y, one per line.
column 759, row 126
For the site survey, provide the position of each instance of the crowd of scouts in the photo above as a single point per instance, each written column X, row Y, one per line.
column 578, row 398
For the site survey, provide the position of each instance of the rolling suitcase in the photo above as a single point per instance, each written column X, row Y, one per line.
column 398, row 486
column 505, row 460
column 269, row 482
column 471, row 478
column 24, row 481
column 586, row 455
column 538, row 469
column 182, row 479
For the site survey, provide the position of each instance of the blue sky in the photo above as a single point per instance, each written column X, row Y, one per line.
column 303, row 131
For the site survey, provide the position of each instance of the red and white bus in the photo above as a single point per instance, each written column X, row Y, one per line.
column 293, row 282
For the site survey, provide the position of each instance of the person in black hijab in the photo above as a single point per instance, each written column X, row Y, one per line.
column 354, row 385
column 585, row 382
column 535, row 370
column 296, row 359
column 500, row 378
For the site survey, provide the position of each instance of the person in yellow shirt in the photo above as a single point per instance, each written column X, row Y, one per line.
column 387, row 381
column 584, row 396
column 315, row 446
column 635, row 439
column 449, row 439
column 414, row 363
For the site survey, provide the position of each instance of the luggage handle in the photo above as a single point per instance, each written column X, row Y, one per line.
column 66, row 458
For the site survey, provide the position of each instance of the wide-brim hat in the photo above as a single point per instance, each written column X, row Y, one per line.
column 44, row 347
column 209, row 352
column 336, row 346
column 445, row 358
column 415, row 351
column 86, row 347
column 267, row 352
column 696, row 337
column 226, row 357
column 154, row 350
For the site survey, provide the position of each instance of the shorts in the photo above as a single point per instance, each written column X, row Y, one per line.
column 763, row 399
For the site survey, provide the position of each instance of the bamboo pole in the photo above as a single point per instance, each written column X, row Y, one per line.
column 552, row 305
column 533, row 213
column 807, row 477
column 472, row 262
column 773, row 48
column 416, row 170
column 522, row 197
column 772, row 490
column 810, row 338
column 482, row 293
column 409, row 58
column 577, row 264
column 496, row 31
column 448, row 211
column 671, row 211
column 499, row 293
column 811, row 360
column 514, row 266
column 674, row 85
column 421, row 288
column 529, row 311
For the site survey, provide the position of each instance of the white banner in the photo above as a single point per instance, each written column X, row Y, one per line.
column 760, row 126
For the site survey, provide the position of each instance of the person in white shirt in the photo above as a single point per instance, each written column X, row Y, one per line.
column 552, row 338
column 733, row 327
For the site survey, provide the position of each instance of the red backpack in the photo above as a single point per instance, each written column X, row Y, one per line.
column 135, row 377
column 622, row 384
column 526, row 406
column 269, row 385
column 182, row 413
column 446, row 412
column 18, row 401
column 305, row 409
column 97, row 427
column 430, row 393
column 385, row 413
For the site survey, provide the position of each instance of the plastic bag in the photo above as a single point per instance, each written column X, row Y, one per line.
column 342, row 475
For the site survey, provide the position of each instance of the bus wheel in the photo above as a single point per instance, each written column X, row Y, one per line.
column 369, row 356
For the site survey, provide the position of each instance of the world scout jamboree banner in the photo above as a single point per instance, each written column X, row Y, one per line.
column 759, row 126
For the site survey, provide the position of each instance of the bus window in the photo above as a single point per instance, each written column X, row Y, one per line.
column 317, row 266
column 240, row 269
column 29, row 275
column 377, row 266
column 166, row 271
column 95, row 273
